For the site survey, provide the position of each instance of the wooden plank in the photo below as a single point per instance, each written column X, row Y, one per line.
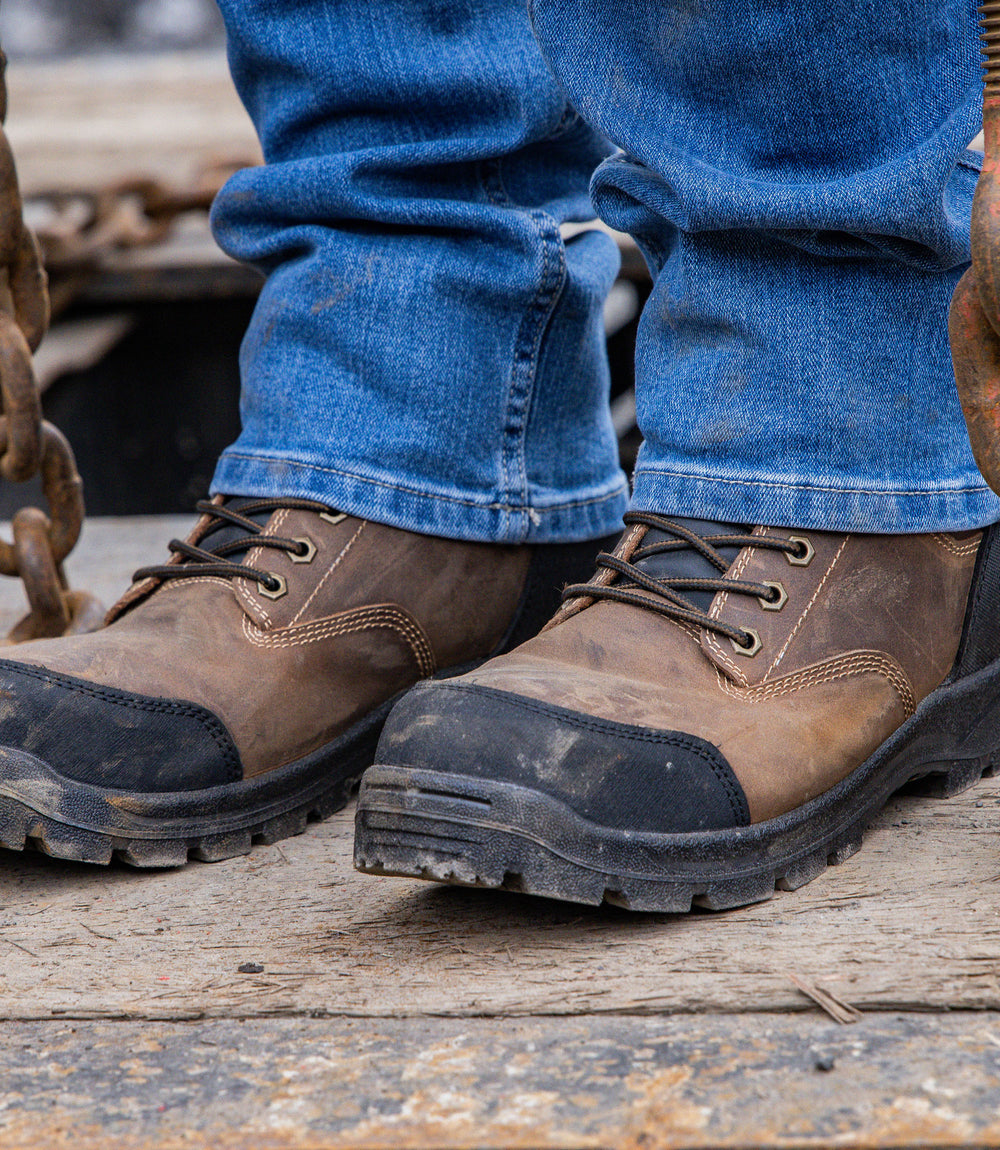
column 912, row 922
column 630, row 1083
column 78, row 124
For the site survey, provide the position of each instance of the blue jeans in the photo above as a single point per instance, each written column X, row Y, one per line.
column 427, row 350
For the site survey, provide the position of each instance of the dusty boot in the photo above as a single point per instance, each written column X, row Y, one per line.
column 718, row 712
column 240, row 688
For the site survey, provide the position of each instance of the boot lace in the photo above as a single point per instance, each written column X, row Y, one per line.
column 213, row 560
column 665, row 595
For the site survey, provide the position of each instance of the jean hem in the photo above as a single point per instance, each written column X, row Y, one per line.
column 577, row 517
column 816, row 506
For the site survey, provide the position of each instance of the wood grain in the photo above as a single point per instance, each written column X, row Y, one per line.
column 910, row 923
column 604, row 1081
column 77, row 124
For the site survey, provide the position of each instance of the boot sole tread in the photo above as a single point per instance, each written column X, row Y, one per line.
column 45, row 811
column 471, row 831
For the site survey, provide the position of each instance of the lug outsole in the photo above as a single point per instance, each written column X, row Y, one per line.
column 44, row 811
column 402, row 846
column 22, row 829
column 479, row 832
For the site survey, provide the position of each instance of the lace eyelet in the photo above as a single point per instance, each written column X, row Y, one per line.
column 805, row 553
column 275, row 588
column 752, row 647
column 777, row 600
column 333, row 516
column 308, row 552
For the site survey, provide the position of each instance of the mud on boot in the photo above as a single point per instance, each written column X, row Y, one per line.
column 719, row 712
column 240, row 688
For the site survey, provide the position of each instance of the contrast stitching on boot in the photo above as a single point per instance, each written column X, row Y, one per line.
column 363, row 619
column 689, row 629
column 808, row 607
column 682, row 742
column 842, row 668
column 739, row 675
column 333, row 566
column 254, row 555
column 737, row 672
column 189, row 559
column 960, row 549
column 249, row 603
column 742, row 562
column 199, row 580
column 209, row 722
column 666, row 595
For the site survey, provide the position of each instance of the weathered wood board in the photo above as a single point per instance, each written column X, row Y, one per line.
column 910, row 923
column 631, row 1083
column 78, row 124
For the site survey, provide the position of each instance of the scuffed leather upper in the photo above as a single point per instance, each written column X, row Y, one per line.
column 374, row 611
column 870, row 627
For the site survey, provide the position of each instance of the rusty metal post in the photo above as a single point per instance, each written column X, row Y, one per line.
column 974, row 322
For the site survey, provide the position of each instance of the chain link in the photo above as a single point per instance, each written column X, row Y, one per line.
column 29, row 445
column 77, row 230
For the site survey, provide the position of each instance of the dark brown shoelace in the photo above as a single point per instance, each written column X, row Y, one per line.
column 212, row 560
column 665, row 595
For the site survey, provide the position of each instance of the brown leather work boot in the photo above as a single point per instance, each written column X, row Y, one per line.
column 717, row 712
column 239, row 689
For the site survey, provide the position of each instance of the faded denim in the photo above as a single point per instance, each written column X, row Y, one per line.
column 427, row 349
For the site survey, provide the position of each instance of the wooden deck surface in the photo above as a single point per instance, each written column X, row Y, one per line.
column 392, row 1013
column 76, row 125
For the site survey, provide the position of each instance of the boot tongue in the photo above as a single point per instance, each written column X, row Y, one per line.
column 222, row 532
column 688, row 563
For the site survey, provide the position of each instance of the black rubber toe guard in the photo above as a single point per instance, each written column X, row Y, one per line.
column 615, row 775
column 112, row 738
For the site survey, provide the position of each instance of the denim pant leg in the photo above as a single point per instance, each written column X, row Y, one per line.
column 797, row 175
column 427, row 351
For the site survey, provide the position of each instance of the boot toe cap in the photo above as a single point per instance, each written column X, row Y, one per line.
column 613, row 774
column 112, row 738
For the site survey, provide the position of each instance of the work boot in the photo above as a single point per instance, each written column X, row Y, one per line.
column 720, row 711
column 240, row 688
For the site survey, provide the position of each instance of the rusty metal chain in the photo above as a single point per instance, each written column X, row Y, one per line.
column 28, row 444
column 974, row 322
column 80, row 229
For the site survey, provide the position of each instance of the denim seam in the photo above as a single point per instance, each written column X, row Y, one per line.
column 527, row 347
column 808, row 486
column 507, row 508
